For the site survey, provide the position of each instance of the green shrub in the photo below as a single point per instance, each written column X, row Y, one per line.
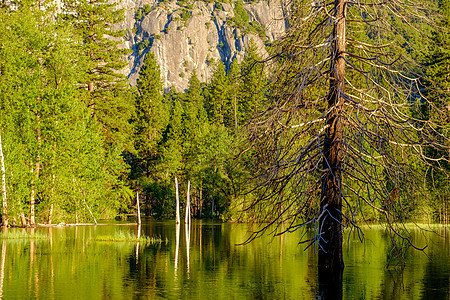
column 186, row 15
column 241, row 18
column 141, row 12
column 129, row 237
column 18, row 235
column 143, row 45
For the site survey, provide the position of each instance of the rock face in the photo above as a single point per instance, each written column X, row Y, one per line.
column 194, row 35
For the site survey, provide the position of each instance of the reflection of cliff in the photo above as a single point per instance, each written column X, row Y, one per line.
column 192, row 36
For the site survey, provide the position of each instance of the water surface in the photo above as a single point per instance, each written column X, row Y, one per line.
column 71, row 264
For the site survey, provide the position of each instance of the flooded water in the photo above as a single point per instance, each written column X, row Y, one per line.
column 207, row 263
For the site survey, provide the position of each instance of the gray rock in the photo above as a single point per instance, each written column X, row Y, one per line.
column 182, row 45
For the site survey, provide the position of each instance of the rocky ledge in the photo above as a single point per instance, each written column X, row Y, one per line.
column 192, row 35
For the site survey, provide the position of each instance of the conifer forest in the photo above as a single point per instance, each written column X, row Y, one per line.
column 347, row 117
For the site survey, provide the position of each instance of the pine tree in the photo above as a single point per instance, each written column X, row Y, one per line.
column 105, row 91
column 108, row 97
column 194, row 98
column 151, row 113
column 216, row 104
column 172, row 155
column 251, row 89
column 233, row 81
column 437, row 110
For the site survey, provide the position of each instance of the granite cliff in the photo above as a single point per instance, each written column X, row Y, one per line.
column 191, row 35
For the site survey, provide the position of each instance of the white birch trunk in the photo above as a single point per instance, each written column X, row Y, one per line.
column 178, row 201
column 138, row 209
column 5, row 203
column 188, row 206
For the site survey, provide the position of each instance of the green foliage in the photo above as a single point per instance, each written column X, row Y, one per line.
column 25, row 235
column 253, row 83
column 143, row 45
column 141, row 12
column 241, row 20
column 47, row 128
column 436, row 108
column 126, row 236
column 151, row 115
column 186, row 15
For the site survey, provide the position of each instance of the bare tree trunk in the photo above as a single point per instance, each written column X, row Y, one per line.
column 178, row 201
column 188, row 206
column 50, row 214
column 36, row 172
column 138, row 209
column 91, row 92
column 235, row 114
column 200, row 202
column 212, row 209
column 90, row 211
column 5, row 203
column 32, row 203
column 330, row 261
column 52, row 193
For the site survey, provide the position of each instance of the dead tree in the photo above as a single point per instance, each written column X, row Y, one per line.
column 341, row 135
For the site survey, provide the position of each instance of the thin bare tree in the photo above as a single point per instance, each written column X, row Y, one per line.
column 4, row 200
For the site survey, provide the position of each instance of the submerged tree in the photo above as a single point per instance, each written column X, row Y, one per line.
column 339, row 137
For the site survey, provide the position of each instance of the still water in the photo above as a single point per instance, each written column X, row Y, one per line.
column 208, row 263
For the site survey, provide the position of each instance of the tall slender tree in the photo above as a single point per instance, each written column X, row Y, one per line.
column 216, row 103
column 4, row 199
column 106, row 90
column 253, row 84
column 151, row 113
column 108, row 97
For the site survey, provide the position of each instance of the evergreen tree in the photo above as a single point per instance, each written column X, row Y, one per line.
column 194, row 98
column 436, row 109
column 252, row 86
column 233, row 80
column 172, row 155
column 108, row 97
column 217, row 95
column 151, row 113
column 105, row 91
